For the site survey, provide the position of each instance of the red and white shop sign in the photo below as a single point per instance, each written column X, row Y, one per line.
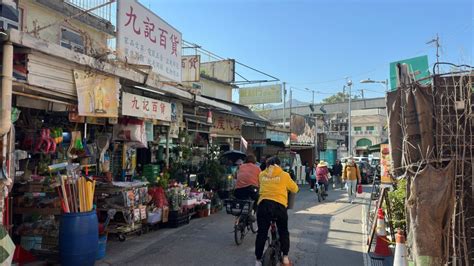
column 143, row 107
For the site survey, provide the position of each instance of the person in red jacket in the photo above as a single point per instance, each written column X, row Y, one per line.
column 247, row 180
column 322, row 175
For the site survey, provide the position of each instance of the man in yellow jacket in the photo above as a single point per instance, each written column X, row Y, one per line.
column 273, row 201
column 350, row 174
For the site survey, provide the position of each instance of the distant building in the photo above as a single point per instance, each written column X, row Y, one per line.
column 369, row 127
column 334, row 123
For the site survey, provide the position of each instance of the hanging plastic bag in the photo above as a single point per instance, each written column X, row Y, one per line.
column 131, row 130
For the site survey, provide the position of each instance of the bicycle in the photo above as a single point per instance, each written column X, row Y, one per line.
column 320, row 191
column 242, row 210
column 272, row 254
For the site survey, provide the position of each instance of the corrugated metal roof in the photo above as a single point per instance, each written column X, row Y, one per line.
column 241, row 111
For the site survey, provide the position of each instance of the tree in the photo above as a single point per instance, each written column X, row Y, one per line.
column 338, row 98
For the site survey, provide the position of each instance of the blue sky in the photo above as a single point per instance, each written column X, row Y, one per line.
column 316, row 44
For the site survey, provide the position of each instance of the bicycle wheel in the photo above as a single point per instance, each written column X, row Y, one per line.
column 268, row 258
column 323, row 192
column 318, row 193
column 254, row 225
column 239, row 234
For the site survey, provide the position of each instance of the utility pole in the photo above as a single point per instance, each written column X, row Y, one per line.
column 291, row 104
column 313, row 97
column 362, row 93
column 284, row 104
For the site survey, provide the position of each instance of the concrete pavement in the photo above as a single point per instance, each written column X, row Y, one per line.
column 327, row 233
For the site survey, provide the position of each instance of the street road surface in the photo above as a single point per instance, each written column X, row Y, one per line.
column 327, row 233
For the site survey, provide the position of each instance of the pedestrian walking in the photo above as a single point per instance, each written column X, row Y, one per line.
column 337, row 174
column 351, row 174
column 312, row 176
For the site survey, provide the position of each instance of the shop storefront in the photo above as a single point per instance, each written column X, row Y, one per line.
column 85, row 141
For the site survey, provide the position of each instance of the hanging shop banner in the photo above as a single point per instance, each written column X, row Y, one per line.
column 226, row 125
column 143, row 107
column 176, row 119
column 259, row 95
column 303, row 130
column 417, row 66
column 97, row 94
column 385, row 164
column 190, row 65
column 222, row 70
column 146, row 39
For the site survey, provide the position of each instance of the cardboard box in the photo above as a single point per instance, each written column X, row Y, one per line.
column 165, row 215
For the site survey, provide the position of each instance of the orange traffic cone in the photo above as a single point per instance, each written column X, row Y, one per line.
column 381, row 246
column 400, row 250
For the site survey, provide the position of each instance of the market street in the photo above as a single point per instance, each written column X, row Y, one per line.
column 328, row 233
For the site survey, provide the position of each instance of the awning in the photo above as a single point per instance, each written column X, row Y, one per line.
column 197, row 123
column 241, row 111
column 376, row 147
column 167, row 89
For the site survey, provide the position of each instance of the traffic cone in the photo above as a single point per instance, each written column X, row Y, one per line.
column 400, row 250
column 381, row 246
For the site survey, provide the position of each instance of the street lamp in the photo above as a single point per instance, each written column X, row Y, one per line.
column 349, row 126
column 385, row 82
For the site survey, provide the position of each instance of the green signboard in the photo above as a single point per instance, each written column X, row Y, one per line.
column 417, row 66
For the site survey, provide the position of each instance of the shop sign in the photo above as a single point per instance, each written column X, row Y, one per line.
column 144, row 107
column 417, row 66
column 257, row 143
column 97, row 94
column 146, row 39
column 190, row 68
column 222, row 70
column 277, row 136
column 385, row 164
column 260, row 95
column 226, row 125
column 303, row 130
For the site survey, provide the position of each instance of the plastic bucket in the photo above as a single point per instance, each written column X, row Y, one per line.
column 102, row 247
column 291, row 200
column 78, row 238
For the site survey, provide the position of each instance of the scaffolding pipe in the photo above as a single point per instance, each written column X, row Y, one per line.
column 6, row 94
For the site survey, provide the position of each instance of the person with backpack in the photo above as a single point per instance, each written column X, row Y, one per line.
column 350, row 175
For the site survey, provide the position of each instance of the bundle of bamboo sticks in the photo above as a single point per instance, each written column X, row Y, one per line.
column 77, row 195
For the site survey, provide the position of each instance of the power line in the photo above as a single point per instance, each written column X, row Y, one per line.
column 215, row 56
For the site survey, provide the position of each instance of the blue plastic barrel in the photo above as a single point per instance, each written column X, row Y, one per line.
column 78, row 238
column 102, row 247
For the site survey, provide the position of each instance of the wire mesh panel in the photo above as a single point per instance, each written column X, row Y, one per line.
column 455, row 141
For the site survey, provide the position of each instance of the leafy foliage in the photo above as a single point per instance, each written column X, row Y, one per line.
column 338, row 98
column 397, row 200
column 212, row 171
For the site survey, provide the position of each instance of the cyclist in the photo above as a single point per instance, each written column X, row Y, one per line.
column 322, row 175
column 247, row 180
column 273, row 201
